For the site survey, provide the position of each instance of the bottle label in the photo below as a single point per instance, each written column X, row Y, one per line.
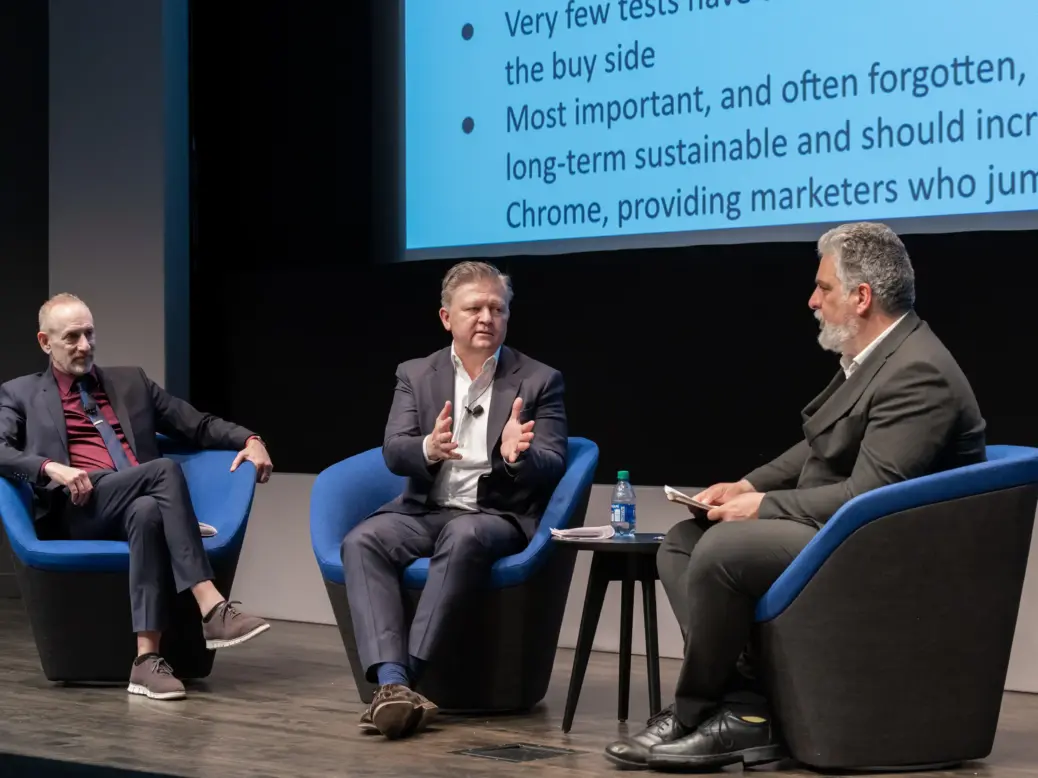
column 622, row 516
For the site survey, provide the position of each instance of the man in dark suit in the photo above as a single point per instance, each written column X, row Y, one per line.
column 476, row 487
column 84, row 439
column 899, row 407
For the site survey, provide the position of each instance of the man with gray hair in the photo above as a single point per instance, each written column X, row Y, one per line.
column 898, row 408
column 479, row 476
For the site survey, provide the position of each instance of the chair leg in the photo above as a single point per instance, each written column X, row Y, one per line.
column 652, row 647
column 597, row 584
column 626, row 634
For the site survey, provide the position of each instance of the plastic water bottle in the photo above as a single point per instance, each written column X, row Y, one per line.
column 622, row 516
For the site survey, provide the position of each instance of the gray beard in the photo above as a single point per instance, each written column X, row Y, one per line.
column 835, row 337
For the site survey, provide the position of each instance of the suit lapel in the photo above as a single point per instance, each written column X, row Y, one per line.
column 839, row 402
column 506, row 387
column 812, row 407
column 52, row 399
column 442, row 380
column 116, row 400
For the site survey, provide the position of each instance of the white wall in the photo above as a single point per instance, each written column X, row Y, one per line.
column 1023, row 664
column 118, row 173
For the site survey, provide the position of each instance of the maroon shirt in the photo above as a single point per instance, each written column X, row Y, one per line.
column 86, row 447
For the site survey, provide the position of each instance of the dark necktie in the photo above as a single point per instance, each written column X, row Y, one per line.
column 115, row 448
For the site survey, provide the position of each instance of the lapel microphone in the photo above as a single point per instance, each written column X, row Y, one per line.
column 476, row 412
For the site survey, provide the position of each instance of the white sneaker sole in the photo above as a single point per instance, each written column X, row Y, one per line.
column 212, row 645
column 144, row 691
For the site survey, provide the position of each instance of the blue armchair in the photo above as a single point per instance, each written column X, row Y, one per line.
column 509, row 636
column 77, row 592
column 886, row 643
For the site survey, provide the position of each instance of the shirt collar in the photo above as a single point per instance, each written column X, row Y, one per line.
column 65, row 380
column 850, row 365
column 490, row 363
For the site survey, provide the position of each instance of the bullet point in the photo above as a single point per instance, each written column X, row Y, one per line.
column 467, row 31
column 468, row 125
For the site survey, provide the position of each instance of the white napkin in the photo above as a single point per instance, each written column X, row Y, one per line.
column 603, row 532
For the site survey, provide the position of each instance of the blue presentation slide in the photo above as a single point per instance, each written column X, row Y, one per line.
column 535, row 120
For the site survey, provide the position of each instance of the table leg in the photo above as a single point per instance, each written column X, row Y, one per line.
column 626, row 634
column 652, row 646
column 597, row 584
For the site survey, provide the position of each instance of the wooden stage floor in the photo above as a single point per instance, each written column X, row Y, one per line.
column 285, row 705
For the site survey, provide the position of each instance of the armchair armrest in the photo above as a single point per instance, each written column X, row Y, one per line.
column 1007, row 467
column 344, row 495
column 16, row 513
column 582, row 460
column 219, row 497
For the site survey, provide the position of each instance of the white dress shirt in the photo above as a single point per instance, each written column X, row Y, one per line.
column 851, row 365
column 457, row 483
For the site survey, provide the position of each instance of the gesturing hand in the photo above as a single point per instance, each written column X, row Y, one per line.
column 439, row 446
column 516, row 437
column 77, row 481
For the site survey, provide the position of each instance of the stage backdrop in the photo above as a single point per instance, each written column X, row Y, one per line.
column 684, row 365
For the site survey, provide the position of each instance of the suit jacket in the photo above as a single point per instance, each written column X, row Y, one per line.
column 32, row 425
column 520, row 491
column 907, row 411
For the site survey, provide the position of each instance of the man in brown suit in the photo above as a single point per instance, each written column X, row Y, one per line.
column 898, row 408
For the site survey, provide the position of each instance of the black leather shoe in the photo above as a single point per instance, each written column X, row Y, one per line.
column 724, row 739
column 633, row 752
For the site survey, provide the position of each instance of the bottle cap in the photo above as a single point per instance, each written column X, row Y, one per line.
column 623, row 475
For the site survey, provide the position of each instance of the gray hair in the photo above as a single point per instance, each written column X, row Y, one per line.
column 466, row 273
column 873, row 254
column 62, row 298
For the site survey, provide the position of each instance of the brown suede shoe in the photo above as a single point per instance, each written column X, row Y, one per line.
column 427, row 711
column 228, row 627
column 154, row 678
column 393, row 711
column 366, row 725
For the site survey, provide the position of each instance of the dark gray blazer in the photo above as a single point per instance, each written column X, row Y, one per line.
column 32, row 424
column 907, row 411
column 520, row 491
